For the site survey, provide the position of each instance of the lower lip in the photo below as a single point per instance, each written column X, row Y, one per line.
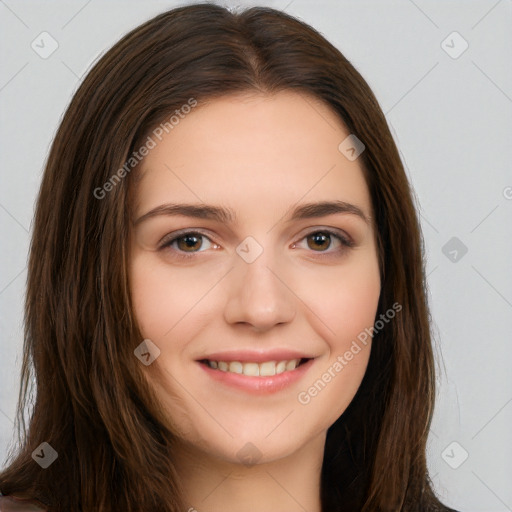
column 258, row 385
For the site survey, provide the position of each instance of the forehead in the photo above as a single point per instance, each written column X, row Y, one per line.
column 242, row 149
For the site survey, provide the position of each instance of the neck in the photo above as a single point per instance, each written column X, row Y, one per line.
column 289, row 484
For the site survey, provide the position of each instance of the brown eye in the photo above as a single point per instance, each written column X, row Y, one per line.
column 189, row 242
column 319, row 241
column 326, row 243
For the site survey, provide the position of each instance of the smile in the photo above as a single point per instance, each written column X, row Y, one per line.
column 253, row 369
column 256, row 374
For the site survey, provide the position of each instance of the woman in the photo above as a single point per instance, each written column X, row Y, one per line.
column 192, row 350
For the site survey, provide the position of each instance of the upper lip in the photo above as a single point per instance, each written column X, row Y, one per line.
column 256, row 356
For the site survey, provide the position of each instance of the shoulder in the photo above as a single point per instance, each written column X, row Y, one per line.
column 12, row 504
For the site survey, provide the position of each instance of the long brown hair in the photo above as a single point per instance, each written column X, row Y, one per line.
column 91, row 401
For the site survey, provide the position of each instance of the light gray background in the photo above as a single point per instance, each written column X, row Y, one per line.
column 452, row 120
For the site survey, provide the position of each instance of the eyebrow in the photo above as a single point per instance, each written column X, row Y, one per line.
column 227, row 216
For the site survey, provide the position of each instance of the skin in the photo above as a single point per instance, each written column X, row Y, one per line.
column 241, row 152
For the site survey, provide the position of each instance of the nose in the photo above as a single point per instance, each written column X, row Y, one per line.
column 259, row 295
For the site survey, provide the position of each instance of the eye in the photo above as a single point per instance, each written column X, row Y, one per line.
column 186, row 243
column 323, row 239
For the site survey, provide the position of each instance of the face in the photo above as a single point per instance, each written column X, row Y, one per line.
column 253, row 290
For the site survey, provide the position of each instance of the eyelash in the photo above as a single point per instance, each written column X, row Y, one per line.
column 167, row 242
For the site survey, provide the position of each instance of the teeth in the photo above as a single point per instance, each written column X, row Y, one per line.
column 254, row 369
column 251, row 369
column 291, row 365
column 268, row 368
column 235, row 367
column 280, row 367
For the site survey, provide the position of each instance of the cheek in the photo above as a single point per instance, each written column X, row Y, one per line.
column 343, row 308
column 161, row 298
column 343, row 301
column 155, row 307
column 164, row 303
column 354, row 308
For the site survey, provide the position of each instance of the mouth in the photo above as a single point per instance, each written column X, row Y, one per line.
column 256, row 369
column 256, row 373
